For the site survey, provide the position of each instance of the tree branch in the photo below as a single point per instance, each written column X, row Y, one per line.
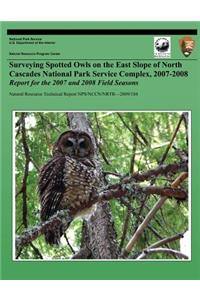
column 185, row 119
column 167, row 240
column 26, row 169
column 159, row 243
column 60, row 218
column 132, row 162
column 162, row 170
column 101, row 138
column 125, row 228
column 172, row 140
column 149, row 217
column 137, row 129
column 36, row 250
column 132, row 131
column 162, row 250
column 118, row 191
column 68, row 243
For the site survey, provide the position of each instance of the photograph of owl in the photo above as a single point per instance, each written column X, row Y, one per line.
column 68, row 180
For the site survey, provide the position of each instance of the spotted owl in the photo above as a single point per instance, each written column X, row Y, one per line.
column 69, row 179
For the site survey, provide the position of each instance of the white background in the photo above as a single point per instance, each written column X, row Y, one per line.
column 92, row 10
column 103, row 10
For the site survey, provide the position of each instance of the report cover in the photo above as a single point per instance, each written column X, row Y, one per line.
column 99, row 150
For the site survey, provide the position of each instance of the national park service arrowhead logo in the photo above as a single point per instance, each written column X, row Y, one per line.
column 187, row 45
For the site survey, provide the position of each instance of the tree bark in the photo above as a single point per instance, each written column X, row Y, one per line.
column 99, row 233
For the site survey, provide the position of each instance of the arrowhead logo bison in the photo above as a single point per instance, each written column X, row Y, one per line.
column 187, row 44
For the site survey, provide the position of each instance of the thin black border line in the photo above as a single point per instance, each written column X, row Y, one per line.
column 100, row 31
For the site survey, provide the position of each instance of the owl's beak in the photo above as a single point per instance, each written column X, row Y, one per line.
column 76, row 151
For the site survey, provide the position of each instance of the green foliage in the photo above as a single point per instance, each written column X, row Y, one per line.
column 123, row 149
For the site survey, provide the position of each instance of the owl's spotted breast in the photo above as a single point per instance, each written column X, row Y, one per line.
column 80, row 181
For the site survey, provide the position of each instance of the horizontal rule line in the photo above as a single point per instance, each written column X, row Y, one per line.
column 141, row 59
column 101, row 31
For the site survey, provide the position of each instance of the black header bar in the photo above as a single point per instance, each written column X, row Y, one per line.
column 102, row 32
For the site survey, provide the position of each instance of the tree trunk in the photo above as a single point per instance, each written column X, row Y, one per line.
column 99, row 236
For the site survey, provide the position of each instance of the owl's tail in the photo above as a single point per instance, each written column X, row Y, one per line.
column 52, row 237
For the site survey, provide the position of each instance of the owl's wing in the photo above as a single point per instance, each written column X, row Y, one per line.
column 51, row 186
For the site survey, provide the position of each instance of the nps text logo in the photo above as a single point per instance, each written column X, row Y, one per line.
column 186, row 44
column 162, row 47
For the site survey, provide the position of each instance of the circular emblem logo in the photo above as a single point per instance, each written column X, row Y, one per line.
column 162, row 45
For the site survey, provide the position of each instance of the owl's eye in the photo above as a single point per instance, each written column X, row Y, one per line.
column 69, row 143
column 83, row 145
